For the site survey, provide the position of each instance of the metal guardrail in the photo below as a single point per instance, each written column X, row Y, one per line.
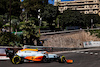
column 51, row 49
column 68, row 31
column 59, row 32
column 45, row 31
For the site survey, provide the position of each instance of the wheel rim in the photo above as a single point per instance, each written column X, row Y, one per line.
column 16, row 60
column 62, row 59
column 44, row 59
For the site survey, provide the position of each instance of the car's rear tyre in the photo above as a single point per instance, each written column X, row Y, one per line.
column 16, row 60
column 49, row 60
column 62, row 59
column 44, row 59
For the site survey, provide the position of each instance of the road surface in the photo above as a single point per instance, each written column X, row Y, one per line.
column 89, row 58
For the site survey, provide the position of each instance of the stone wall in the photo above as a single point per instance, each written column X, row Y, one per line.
column 70, row 40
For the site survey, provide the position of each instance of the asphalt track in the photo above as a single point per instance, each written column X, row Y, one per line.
column 89, row 58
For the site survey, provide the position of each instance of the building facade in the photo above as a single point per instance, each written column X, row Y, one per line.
column 84, row 6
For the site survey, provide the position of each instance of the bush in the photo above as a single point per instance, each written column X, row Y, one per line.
column 96, row 32
column 6, row 38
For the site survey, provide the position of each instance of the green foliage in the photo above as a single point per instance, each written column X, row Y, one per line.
column 21, row 23
column 15, row 7
column 96, row 32
column 75, row 18
column 57, row 21
column 1, row 21
column 15, row 44
column 88, row 18
column 30, row 31
column 15, row 22
column 13, row 17
column 49, row 13
column 6, row 38
column 3, row 6
column 28, row 28
column 97, row 25
column 44, row 23
column 6, row 25
column 32, row 6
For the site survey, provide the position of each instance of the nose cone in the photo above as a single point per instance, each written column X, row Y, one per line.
column 69, row 61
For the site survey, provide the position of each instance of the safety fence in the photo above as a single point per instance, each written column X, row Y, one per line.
column 51, row 49
column 3, row 53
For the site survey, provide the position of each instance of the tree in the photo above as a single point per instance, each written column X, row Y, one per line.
column 57, row 20
column 6, row 38
column 15, row 23
column 94, row 17
column 15, row 7
column 3, row 7
column 1, row 20
column 50, row 13
column 30, row 31
column 32, row 6
column 71, row 18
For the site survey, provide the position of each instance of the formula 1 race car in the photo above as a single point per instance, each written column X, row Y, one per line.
column 34, row 55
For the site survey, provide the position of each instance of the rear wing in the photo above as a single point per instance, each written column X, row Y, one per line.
column 11, row 51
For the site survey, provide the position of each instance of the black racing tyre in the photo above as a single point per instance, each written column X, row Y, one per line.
column 49, row 60
column 16, row 60
column 62, row 59
column 44, row 59
column 22, row 60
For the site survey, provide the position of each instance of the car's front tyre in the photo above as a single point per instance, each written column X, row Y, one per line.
column 61, row 59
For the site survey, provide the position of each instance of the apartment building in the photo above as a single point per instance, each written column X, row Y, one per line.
column 84, row 6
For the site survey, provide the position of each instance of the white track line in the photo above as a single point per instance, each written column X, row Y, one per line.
column 91, row 53
column 95, row 53
column 73, row 51
column 82, row 52
column 86, row 52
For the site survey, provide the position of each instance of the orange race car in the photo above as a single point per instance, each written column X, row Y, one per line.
column 34, row 55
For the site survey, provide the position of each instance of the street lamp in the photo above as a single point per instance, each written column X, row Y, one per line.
column 40, row 19
column 91, row 23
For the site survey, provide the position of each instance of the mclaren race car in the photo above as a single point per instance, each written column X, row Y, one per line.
column 34, row 55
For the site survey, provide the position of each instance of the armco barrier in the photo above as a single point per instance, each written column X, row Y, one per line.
column 49, row 49
column 52, row 49
column 3, row 54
